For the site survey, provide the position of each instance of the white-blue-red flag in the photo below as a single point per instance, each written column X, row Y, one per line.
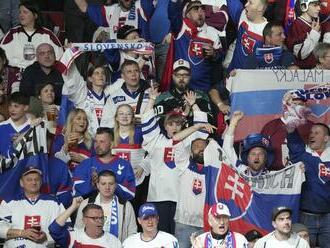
column 259, row 93
column 250, row 199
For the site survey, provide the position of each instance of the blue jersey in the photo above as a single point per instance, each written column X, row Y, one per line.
column 188, row 45
column 8, row 130
column 249, row 35
column 82, row 176
column 316, row 189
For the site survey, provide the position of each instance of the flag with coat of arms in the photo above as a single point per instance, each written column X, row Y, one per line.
column 250, row 199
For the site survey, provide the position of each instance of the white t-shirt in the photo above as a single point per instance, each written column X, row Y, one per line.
column 162, row 239
column 269, row 241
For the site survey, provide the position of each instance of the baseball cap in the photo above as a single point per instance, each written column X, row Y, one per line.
column 191, row 4
column 30, row 169
column 281, row 209
column 126, row 30
column 219, row 209
column 181, row 63
column 253, row 235
column 147, row 209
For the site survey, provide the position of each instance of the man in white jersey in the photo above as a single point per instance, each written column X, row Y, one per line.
column 134, row 92
column 282, row 236
column 219, row 236
column 150, row 237
column 24, row 219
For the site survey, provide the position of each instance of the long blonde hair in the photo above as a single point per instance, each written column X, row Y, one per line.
column 117, row 125
column 68, row 128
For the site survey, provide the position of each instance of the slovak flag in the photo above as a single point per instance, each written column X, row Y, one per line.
column 250, row 199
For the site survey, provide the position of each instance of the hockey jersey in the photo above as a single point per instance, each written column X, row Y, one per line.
column 276, row 131
column 124, row 96
column 188, row 45
column 302, row 40
column 249, row 35
column 81, row 148
column 162, row 239
column 192, row 192
column 8, row 130
column 76, row 89
column 164, row 174
column 315, row 196
column 114, row 18
column 82, row 176
column 22, row 213
column 20, row 46
column 79, row 238
column 131, row 152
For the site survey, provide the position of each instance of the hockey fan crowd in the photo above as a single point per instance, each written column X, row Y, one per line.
column 117, row 126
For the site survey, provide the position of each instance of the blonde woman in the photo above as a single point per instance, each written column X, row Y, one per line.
column 75, row 143
column 128, row 139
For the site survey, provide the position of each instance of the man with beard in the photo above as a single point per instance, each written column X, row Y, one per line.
column 282, row 236
column 174, row 98
column 220, row 235
column 195, row 41
column 257, row 153
column 192, row 191
column 85, row 174
column 125, row 12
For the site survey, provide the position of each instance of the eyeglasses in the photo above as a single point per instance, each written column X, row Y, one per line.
column 95, row 218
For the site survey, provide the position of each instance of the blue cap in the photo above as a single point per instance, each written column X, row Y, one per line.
column 257, row 140
column 147, row 209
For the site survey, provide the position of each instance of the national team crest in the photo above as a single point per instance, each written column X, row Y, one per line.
column 234, row 192
column 32, row 221
column 98, row 112
column 248, row 44
column 197, row 186
column 324, row 172
column 269, row 58
column 195, row 52
column 124, row 155
column 169, row 157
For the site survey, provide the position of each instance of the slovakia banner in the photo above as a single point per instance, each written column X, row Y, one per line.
column 31, row 151
column 251, row 199
column 259, row 93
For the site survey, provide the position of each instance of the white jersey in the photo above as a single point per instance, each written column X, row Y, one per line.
column 164, row 174
column 192, row 192
column 162, row 239
column 20, row 46
column 119, row 97
column 206, row 239
column 116, row 18
column 76, row 89
column 269, row 241
column 21, row 213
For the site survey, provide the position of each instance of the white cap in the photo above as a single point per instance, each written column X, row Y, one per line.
column 219, row 209
column 181, row 63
